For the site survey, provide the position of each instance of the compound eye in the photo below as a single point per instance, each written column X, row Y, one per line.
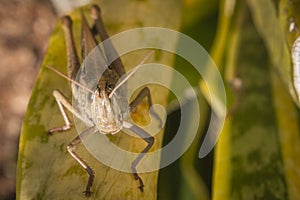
column 109, row 87
column 110, row 67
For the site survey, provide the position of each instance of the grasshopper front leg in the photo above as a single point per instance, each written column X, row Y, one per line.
column 144, row 93
column 61, row 100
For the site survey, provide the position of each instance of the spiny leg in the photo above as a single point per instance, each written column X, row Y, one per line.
column 145, row 92
column 150, row 141
column 73, row 60
column 88, row 42
column 110, row 51
column 71, row 149
column 147, row 138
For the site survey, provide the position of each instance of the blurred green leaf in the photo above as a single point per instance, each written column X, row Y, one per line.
column 287, row 118
column 248, row 163
column 273, row 29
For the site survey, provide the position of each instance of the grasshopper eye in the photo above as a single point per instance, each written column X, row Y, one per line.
column 109, row 87
column 110, row 67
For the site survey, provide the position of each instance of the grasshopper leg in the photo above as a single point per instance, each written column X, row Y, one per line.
column 63, row 102
column 73, row 60
column 109, row 49
column 73, row 66
column 71, row 149
column 147, row 138
column 145, row 92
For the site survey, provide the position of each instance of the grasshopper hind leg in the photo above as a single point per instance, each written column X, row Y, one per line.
column 109, row 49
column 73, row 66
column 73, row 60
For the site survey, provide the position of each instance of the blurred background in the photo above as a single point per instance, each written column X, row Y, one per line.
column 25, row 27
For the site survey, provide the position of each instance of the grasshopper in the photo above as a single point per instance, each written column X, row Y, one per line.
column 109, row 114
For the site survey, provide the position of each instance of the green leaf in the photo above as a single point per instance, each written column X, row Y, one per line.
column 265, row 16
column 45, row 169
column 249, row 163
column 287, row 118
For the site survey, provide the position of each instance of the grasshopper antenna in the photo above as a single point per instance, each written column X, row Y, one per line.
column 131, row 73
column 64, row 76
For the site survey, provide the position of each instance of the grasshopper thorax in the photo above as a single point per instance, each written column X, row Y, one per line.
column 106, row 112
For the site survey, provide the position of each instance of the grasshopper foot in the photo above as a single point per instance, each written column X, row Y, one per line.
column 141, row 187
column 137, row 177
column 58, row 129
column 49, row 132
column 87, row 193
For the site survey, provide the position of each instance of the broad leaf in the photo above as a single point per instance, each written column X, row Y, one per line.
column 252, row 153
column 45, row 169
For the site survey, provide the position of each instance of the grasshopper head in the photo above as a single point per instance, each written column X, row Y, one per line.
column 107, row 114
